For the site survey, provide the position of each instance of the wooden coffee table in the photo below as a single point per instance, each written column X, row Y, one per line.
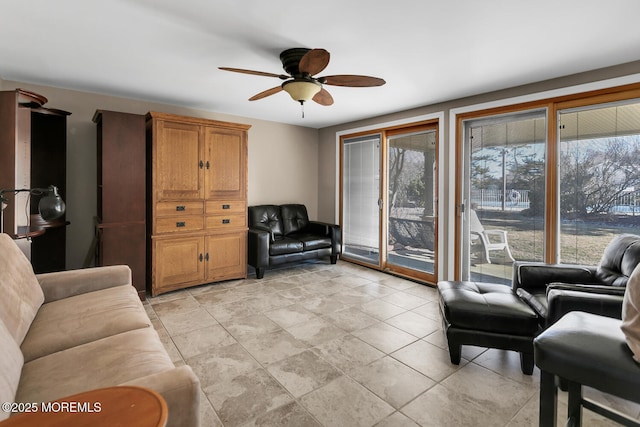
column 113, row 406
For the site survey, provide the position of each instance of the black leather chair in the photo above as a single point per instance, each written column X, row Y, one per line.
column 553, row 290
column 283, row 233
column 583, row 349
column 499, row 316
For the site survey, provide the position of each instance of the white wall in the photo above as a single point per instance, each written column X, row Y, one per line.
column 283, row 164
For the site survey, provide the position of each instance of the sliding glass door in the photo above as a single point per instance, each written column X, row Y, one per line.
column 599, row 178
column 554, row 187
column 503, row 194
column 411, row 196
column 361, row 201
column 389, row 200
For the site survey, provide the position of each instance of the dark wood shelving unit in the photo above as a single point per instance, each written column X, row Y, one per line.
column 33, row 143
column 121, row 217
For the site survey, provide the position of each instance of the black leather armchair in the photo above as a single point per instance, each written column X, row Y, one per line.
column 553, row 290
column 283, row 233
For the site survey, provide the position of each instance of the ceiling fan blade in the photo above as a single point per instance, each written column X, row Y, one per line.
column 255, row 73
column 314, row 61
column 323, row 97
column 351, row 81
column 266, row 93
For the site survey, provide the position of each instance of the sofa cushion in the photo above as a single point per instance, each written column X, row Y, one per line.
column 294, row 218
column 83, row 318
column 103, row 363
column 285, row 245
column 313, row 241
column 268, row 216
column 21, row 293
column 10, row 368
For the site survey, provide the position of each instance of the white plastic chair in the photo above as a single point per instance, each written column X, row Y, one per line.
column 491, row 240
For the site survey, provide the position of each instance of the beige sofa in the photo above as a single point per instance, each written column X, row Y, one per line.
column 68, row 332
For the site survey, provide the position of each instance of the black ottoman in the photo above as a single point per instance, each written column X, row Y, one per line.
column 585, row 350
column 487, row 315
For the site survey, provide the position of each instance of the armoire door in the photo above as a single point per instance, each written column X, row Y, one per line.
column 178, row 161
column 225, row 164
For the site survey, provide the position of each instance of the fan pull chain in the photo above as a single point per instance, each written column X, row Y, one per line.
column 302, row 108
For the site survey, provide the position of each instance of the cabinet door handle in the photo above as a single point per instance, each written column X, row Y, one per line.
column 201, row 164
column 200, row 257
column 181, row 224
column 226, row 206
column 206, row 257
column 226, row 221
column 207, row 164
column 180, row 208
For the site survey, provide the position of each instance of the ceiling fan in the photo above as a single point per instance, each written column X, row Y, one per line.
column 302, row 64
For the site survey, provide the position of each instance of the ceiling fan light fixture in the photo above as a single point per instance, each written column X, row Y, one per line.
column 301, row 90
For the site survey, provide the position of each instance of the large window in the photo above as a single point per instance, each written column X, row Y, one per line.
column 599, row 178
column 504, row 193
column 553, row 181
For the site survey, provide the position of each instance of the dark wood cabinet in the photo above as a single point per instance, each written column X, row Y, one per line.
column 33, row 153
column 120, row 224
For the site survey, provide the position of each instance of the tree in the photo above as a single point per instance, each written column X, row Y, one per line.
column 595, row 173
column 530, row 176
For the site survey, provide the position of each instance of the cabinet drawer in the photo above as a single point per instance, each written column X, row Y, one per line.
column 226, row 221
column 178, row 208
column 178, row 224
column 226, row 207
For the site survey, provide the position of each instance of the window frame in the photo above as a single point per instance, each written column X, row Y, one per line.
column 553, row 105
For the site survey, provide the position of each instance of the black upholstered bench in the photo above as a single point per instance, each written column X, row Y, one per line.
column 487, row 315
column 590, row 350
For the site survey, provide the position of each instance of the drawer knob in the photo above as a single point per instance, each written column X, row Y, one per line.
column 226, row 221
column 180, row 208
column 226, row 206
column 181, row 224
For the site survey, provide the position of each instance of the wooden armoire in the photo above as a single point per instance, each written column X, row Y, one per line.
column 33, row 154
column 121, row 221
column 197, row 217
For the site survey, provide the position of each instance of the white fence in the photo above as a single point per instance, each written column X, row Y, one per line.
column 515, row 200
column 627, row 203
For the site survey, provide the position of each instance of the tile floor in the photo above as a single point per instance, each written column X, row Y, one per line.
column 315, row 344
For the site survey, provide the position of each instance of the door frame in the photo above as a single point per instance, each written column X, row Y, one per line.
column 436, row 119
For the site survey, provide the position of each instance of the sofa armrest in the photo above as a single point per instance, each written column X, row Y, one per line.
column 537, row 275
column 258, row 241
column 535, row 301
column 180, row 388
column 562, row 301
column 328, row 229
column 594, row 289
column 264, row 228
column 65, row 284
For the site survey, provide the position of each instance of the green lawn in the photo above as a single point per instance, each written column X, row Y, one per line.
column 582, row 241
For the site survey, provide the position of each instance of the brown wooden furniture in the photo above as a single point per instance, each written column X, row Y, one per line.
column 33, row 143
column 113, row 406
column 120, row 224
column 197, row 214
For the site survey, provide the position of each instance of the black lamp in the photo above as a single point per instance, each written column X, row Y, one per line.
column 51, row 205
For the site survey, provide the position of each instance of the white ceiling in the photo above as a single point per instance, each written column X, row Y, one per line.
column 427, row 50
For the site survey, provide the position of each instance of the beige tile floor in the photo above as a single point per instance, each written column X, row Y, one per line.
column 315, row 344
